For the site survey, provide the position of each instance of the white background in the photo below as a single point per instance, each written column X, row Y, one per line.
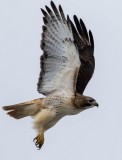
column 95, row 134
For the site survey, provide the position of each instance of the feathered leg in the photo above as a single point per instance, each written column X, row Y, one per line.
column 42, row 123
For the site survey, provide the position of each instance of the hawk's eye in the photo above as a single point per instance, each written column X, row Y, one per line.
column 90, row 101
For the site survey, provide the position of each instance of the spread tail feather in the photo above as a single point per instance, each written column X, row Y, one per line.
column 24, row 109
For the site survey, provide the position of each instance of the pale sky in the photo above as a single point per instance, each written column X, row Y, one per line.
column 95, row 134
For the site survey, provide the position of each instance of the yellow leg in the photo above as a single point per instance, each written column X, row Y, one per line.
column 39, row 140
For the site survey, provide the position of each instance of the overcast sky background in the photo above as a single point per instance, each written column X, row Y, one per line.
column 95, row 134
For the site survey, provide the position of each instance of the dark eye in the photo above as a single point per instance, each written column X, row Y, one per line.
column 91, row 100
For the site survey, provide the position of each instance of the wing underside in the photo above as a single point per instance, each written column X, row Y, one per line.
column 60, row 61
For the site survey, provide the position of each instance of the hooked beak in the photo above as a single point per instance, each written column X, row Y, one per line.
column 95, row 104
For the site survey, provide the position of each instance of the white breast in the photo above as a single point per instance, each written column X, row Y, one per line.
column 62, row 105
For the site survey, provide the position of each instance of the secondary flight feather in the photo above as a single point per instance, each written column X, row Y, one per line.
column 67, row 65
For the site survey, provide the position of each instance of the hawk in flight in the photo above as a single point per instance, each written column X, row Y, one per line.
column 67, row 65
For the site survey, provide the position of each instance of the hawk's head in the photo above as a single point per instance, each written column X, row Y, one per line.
column 85, row 102
column 89, row 102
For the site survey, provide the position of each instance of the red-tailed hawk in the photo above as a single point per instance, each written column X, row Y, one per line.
column 67, row 65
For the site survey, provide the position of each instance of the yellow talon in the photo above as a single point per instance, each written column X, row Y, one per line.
column 39, row 141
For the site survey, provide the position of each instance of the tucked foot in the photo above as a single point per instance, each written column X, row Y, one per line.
column 39, row 141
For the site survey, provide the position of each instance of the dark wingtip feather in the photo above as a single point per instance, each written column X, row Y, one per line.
column 55, row 9
column 75, row 18
column 44, row 12
column 60, row 8
column 52, row 4
column 84, row 29
column 91, row 39
column 48, row 9
column 78, row 26
column 62, row 14
column 73, row 28
column 68, row 19
column 69, row 23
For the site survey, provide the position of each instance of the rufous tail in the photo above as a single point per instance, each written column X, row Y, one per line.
column 22, row 110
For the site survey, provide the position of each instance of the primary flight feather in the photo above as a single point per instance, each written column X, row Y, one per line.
column 67, row 65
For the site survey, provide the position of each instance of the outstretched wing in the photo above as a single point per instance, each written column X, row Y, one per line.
column 85, row 44
column 60, row 61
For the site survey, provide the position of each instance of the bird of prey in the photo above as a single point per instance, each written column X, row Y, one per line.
column 67, row 65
